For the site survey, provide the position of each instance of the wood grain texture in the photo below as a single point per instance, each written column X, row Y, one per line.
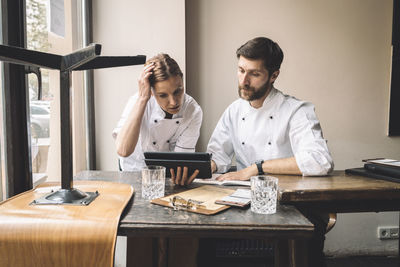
column 339, row 192
column 62, row 235
column 337, row 186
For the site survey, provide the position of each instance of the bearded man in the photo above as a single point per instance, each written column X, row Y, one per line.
column 268, row 132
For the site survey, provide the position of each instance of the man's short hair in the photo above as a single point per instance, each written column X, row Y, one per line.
column 265, row 49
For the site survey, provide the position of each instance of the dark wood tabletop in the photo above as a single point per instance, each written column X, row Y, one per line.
column 141, row 218
column 339, row 192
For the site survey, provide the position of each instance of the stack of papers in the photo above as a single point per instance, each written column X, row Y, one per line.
column 239, row 198
column 386, row 162
column 381, row 168
column 389, row 167
column 213, row 180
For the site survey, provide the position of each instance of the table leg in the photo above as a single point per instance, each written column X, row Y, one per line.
column 160, row 252
column 281, row 257
column 292, row 253
column 139, row 251
column 298, row 250
column 147, row 251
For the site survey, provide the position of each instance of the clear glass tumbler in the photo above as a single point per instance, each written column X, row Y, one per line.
column 264, row 193
column 153, row 182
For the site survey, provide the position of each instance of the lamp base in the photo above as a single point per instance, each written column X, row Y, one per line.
column 67, row 197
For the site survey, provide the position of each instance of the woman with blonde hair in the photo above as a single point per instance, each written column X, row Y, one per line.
column 159, row 117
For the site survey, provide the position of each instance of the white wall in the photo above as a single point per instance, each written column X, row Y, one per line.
column 129, row 28
column 337, row 55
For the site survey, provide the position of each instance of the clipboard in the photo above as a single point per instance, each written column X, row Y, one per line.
column 199, row 200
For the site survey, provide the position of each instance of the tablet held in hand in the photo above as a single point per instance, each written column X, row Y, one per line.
column 193, row 160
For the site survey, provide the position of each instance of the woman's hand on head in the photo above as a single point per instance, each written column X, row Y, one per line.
column 144, row 84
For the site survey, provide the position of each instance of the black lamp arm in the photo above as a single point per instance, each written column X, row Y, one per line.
column 77, row 58
column 22, row 56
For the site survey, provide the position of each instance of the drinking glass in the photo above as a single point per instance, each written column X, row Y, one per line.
column 264, row 191
column 153, row 182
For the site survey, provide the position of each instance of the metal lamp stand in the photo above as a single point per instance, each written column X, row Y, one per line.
column 83, row 59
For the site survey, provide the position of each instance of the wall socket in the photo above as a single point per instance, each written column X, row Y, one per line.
column 388, row 232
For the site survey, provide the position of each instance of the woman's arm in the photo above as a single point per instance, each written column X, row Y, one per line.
column 128, row 137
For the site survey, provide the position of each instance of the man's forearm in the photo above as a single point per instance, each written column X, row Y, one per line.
column 275, row 166
column 281, row 166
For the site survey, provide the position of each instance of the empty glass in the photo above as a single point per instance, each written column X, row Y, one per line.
column 264, row 193
column 153, row 182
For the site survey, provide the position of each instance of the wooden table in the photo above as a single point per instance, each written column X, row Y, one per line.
column 340, row 193
column 143, row 219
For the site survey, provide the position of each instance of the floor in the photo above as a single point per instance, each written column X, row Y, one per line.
column 337, row 262
column 360, row 261
column 363, row 261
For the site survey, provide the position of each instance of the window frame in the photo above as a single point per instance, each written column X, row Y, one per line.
column 394, row 109
column 18, row 169
column 15, row 97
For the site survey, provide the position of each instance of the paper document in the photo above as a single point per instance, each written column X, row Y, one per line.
column 213, row 180
column 387, row 162
column 242, row 193
column 239, row 198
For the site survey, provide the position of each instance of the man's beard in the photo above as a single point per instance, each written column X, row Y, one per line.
column 253, row 93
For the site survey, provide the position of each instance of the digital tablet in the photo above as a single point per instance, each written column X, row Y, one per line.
column 193, row 160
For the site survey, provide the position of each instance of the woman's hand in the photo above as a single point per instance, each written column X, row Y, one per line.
column 182, row 179
column 144, row 84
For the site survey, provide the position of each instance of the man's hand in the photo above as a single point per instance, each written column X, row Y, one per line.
column 182, row 179
column 243, row 174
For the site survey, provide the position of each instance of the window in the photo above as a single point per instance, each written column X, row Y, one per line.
column 31, row 133
column 53, row 27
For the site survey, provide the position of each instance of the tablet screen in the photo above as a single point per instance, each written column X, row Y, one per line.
column 193, row 160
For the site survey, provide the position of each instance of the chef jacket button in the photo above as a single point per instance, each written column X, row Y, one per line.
column 243, row 119
column 177, row 122
column 154, row 143
column 269, row 143
column 271, row 117
column 242, row 143
column 167, row 141
column 155, row 121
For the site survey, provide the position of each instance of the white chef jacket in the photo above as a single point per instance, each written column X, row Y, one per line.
column 178, row 134
column 283, row 127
